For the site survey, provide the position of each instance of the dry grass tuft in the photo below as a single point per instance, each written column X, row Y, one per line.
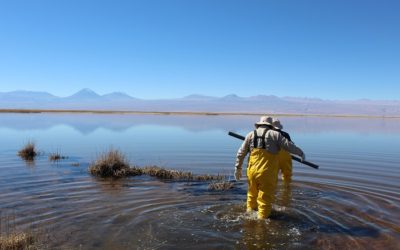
column 220, row 186
column 28, row 152
column 169, row 174
column 112, row 164
column 56, row 157
column 16, row 241
column 132, row 171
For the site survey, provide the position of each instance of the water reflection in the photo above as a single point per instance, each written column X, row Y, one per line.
column 351, row 202
column 89, row 123
column 285, row 195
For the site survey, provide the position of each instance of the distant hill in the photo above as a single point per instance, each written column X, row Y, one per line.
column 87, row 99
column 84, row 95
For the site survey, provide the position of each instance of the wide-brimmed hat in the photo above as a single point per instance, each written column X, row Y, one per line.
column 276, row 124
column 264, row 120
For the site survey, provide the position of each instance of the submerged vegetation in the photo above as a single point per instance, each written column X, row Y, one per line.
column 13, row 239
column 56, row 156
column 207, row 177
column 16, row 241
column 28, row 152
column 220, row 186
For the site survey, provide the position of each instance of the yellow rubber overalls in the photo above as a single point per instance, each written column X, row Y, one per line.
column 262, row 177
column 285, row 165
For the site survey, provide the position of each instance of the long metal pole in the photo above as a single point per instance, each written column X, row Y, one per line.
column 295, row 158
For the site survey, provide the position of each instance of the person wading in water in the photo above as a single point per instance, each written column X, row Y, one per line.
column 285, row 159
column 264, row 144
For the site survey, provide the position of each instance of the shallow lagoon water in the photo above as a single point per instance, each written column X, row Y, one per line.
column 351, row 202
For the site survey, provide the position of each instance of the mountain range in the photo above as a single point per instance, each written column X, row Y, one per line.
column 87, row 99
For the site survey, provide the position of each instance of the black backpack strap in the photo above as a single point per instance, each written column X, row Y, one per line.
column 263, row 138
column 255, row 139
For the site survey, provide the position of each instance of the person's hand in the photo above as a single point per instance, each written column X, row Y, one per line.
column 238, row 174
column 303, row 157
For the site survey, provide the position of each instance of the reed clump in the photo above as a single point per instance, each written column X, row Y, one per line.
column 168, row 174
column 16, row 241
column 112, row 164
column 56, row 157
column 220, row 186
column 28, row 152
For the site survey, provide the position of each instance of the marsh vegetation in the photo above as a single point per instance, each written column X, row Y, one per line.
column 16, row 241
column 13, row 239
column 220, row 185
column 56, row 156
column 114, row 163
column 171, row 174
column 28, row 152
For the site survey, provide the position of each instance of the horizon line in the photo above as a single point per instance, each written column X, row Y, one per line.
column 193, row 94
column 83, row 111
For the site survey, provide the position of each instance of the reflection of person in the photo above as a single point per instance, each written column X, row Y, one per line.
column 263, row 144
column 285, row 159
column 286, row 196
column 254, row 235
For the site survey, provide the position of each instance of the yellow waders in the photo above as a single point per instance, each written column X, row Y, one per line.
column 285, row 165
column 262, row 177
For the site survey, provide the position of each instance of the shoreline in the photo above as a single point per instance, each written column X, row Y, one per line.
column 78, row 111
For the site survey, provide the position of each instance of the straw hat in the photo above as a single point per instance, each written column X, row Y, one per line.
column 264, row 120
column 276, row 124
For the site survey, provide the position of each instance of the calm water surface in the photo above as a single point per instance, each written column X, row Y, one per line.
column 351, row 202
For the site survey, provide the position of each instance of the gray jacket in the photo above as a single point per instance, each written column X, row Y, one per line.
column 274, row 142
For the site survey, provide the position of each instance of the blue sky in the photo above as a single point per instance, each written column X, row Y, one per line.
column 337, row 49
